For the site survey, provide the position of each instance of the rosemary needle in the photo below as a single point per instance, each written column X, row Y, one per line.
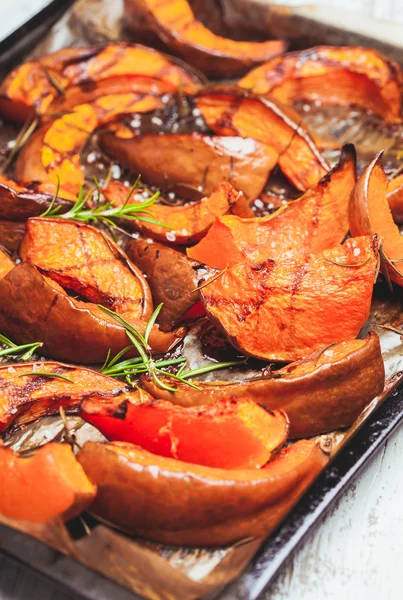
column 47, row 374
column 144, row 363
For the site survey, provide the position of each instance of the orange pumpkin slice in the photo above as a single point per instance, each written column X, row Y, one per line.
column 174, row 23
column 47, row 485
column 230, row 111
column 395, row 198
column 201, row 435
column 52, row 155
column 33, row 307
column 34, row 86
column 26, row 398
column 334, row 75
column 316, row 221
column 185, row 224
column 81, row 258
column 6, row 264
column 325, row 391
column 370, row 214
column 283, row 310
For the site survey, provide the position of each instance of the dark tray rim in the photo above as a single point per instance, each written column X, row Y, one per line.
column 304, row 517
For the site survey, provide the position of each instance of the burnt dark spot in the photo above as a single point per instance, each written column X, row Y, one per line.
column 121, row 411
column 268, row 410
column 88, row 86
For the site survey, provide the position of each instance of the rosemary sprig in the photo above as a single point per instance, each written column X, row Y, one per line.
column 53, row 81
column 145, row 363
column 212, row 367
column 140, row 343
column 322, row 351
column 391, row 328
column 214, row 278
column 52, row 210
column 340, row 264
column 106, row 212
column 25, row 133
column 27, row 350
column 46, row 374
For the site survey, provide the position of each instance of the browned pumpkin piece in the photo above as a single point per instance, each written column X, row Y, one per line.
column 49, row 314
column 83, row 259
column 370, row 214
column 6, row 264
column 25, row 399
column 230, row 111
column 395, row 198
column 11, row 234
column 172, row 277
column 18, row 203
column 334, row 75
column 284, row 310
column 195, row 160
column 47, row 485
column 174, row 23
column 52, row 155
column 86, row 261
column 323, row 392
column 178, row 503
column 30, row 88
column 202, row 435
column 316, row 221
column 185, row 224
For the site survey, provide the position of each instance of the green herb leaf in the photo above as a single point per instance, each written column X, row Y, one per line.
column 46, row 374
column 212, row 367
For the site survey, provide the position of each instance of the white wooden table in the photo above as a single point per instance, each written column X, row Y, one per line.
column 356, row 551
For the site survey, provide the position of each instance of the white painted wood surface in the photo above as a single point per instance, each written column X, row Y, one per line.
column 356, row 552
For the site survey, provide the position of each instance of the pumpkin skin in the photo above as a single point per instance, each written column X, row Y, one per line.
column 173, row 502
column 322, row 392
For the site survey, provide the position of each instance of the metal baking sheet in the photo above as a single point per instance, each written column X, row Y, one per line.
column 364, row 439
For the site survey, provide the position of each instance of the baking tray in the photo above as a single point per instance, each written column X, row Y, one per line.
column 364, row 439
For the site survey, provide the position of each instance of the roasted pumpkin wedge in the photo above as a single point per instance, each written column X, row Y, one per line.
column 25, row 396
column 176, row 503
column 87, row 261
column 18, row 203
column 48, row 316
column 52, row 155
column 370, row 214
column 323, row 392
column 174, row 23
column 231, row 111
column 185, row 224
column 47, row 485
column 284, row 310
column 84, row 259
column 32, row 87
column 334, row 75
column 316, row 221
column 198, row 161
column 11, row 234
column 395, row 198
column 172, row 277
column 6, row 264
column 203, row 435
